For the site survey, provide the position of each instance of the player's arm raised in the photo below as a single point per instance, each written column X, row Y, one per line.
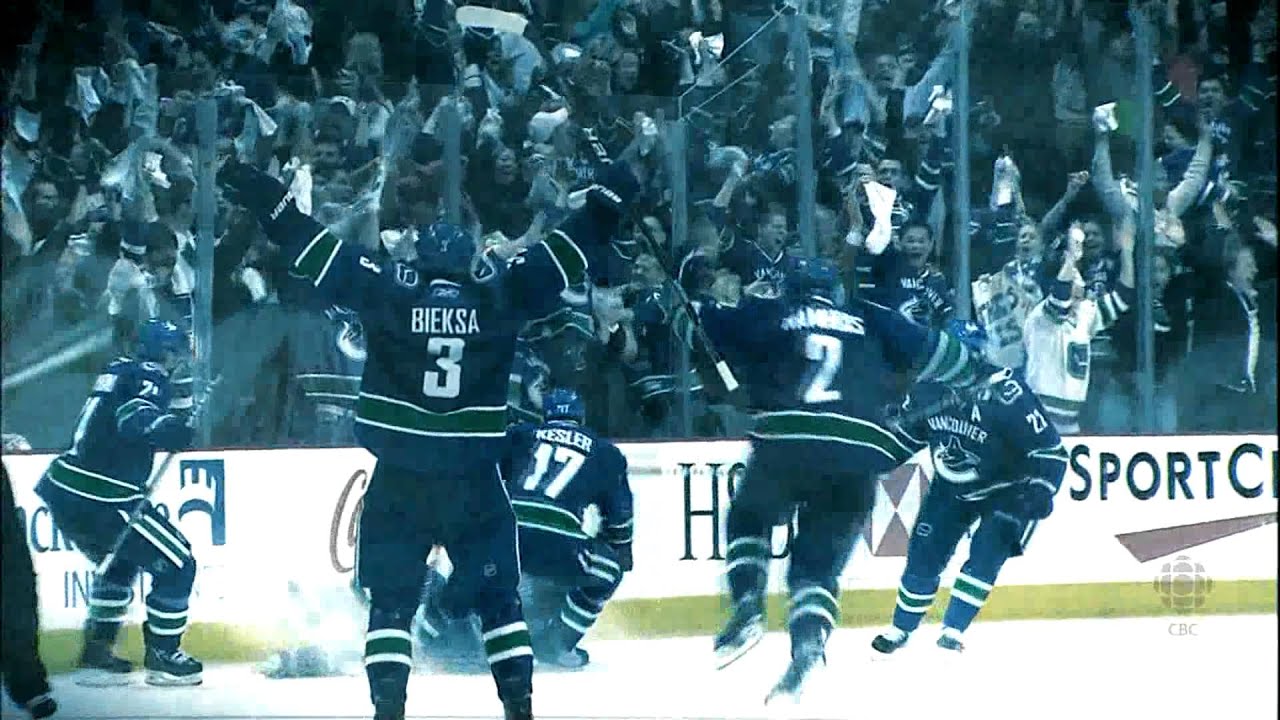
column 930, row 355
column 557, row 265
column 141, row 415
column 340, row 273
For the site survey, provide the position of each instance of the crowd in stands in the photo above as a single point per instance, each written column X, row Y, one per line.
column 360, row 107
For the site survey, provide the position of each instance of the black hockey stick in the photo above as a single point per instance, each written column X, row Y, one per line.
column 665, row 263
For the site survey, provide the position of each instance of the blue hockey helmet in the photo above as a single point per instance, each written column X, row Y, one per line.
column 563, row 404
column 970, row 333
column 158, row 339
column 445, row 249
column 813, row 277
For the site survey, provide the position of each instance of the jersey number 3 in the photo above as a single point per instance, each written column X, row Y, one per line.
column 446, row 381
column 828, row 352
column 552, row 481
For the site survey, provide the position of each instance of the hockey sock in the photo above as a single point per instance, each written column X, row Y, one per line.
column 166, row 621
column 108, row 607
column 747, row 567
column 510, row 656
column 388, row 653
column 814, row 614
column 968, row 595
column 582, row 607
column 915, row 595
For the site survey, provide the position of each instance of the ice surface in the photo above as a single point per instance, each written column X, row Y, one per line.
column 1078, row 669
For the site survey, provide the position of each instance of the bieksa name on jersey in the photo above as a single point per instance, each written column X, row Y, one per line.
column 565, row 436
column 444, row 321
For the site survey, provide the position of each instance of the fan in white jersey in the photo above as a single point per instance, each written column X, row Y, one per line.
column 1059, row 331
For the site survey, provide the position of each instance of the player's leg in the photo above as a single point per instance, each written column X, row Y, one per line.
column 160, row 549
column 993, row 543
column 25, row 677
column 942, row 521
column 601, row 574
column 487, row 565
column 759, row 503
column 827, row 526
column 392, row 547
column 93, row 528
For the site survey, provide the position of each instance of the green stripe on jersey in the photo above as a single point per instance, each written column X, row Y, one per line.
column 542, row 516
column 90, row 484
column 400, row 416
column 803, row 425
column 324, row 385
column 313, row 261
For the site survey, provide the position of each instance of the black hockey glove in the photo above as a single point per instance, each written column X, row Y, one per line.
column 623, row 552
column 1035, row 500
column 253, row 190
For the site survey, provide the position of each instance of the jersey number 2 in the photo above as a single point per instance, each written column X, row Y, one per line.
column 829, row 352
column 541, row 479
column 447, row 381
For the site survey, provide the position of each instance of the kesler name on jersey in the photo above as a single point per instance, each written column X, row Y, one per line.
column 565, row 436
column 444, row 321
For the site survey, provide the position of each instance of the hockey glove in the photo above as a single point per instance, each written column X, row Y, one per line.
column 1036, row 500
column 171, row 433
column 623, row 552
column 253, row 190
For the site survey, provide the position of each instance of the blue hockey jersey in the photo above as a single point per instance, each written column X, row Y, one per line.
column 122, row 424
column 554, row 471
column 433, row 388
column 825, row 373
column 999, row 438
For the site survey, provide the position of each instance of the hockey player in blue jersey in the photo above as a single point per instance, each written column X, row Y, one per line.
column 555, row 472
column 441, row 334
column 997, row 460
column 822, row 373
column 93, row 487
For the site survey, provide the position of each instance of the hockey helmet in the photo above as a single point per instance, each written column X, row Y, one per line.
column 160, row 339
column 969, row 333
column 813, row 277
column 445, row 249
column 563, row 404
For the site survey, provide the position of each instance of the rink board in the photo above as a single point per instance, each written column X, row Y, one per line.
column 1131, row 510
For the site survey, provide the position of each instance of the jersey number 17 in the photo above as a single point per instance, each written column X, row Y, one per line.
column 553, row 467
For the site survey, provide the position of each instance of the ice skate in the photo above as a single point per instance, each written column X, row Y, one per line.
column 388, row 711
column 100, row 667
column 172, row 668
column 950, row 640
column 803, row 660
column 41, row 707
column 521, row 709
column 744, row 631
column 560, row 647
column 889, row 641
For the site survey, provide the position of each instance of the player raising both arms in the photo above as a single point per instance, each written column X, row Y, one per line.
column 441, row 334
column 822, row 374
column 998, row 460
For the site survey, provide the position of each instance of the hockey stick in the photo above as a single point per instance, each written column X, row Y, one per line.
column 664, row 262
column 136, row 515
column 197, row 415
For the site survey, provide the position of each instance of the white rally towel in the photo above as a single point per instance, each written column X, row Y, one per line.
column 880, row 198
